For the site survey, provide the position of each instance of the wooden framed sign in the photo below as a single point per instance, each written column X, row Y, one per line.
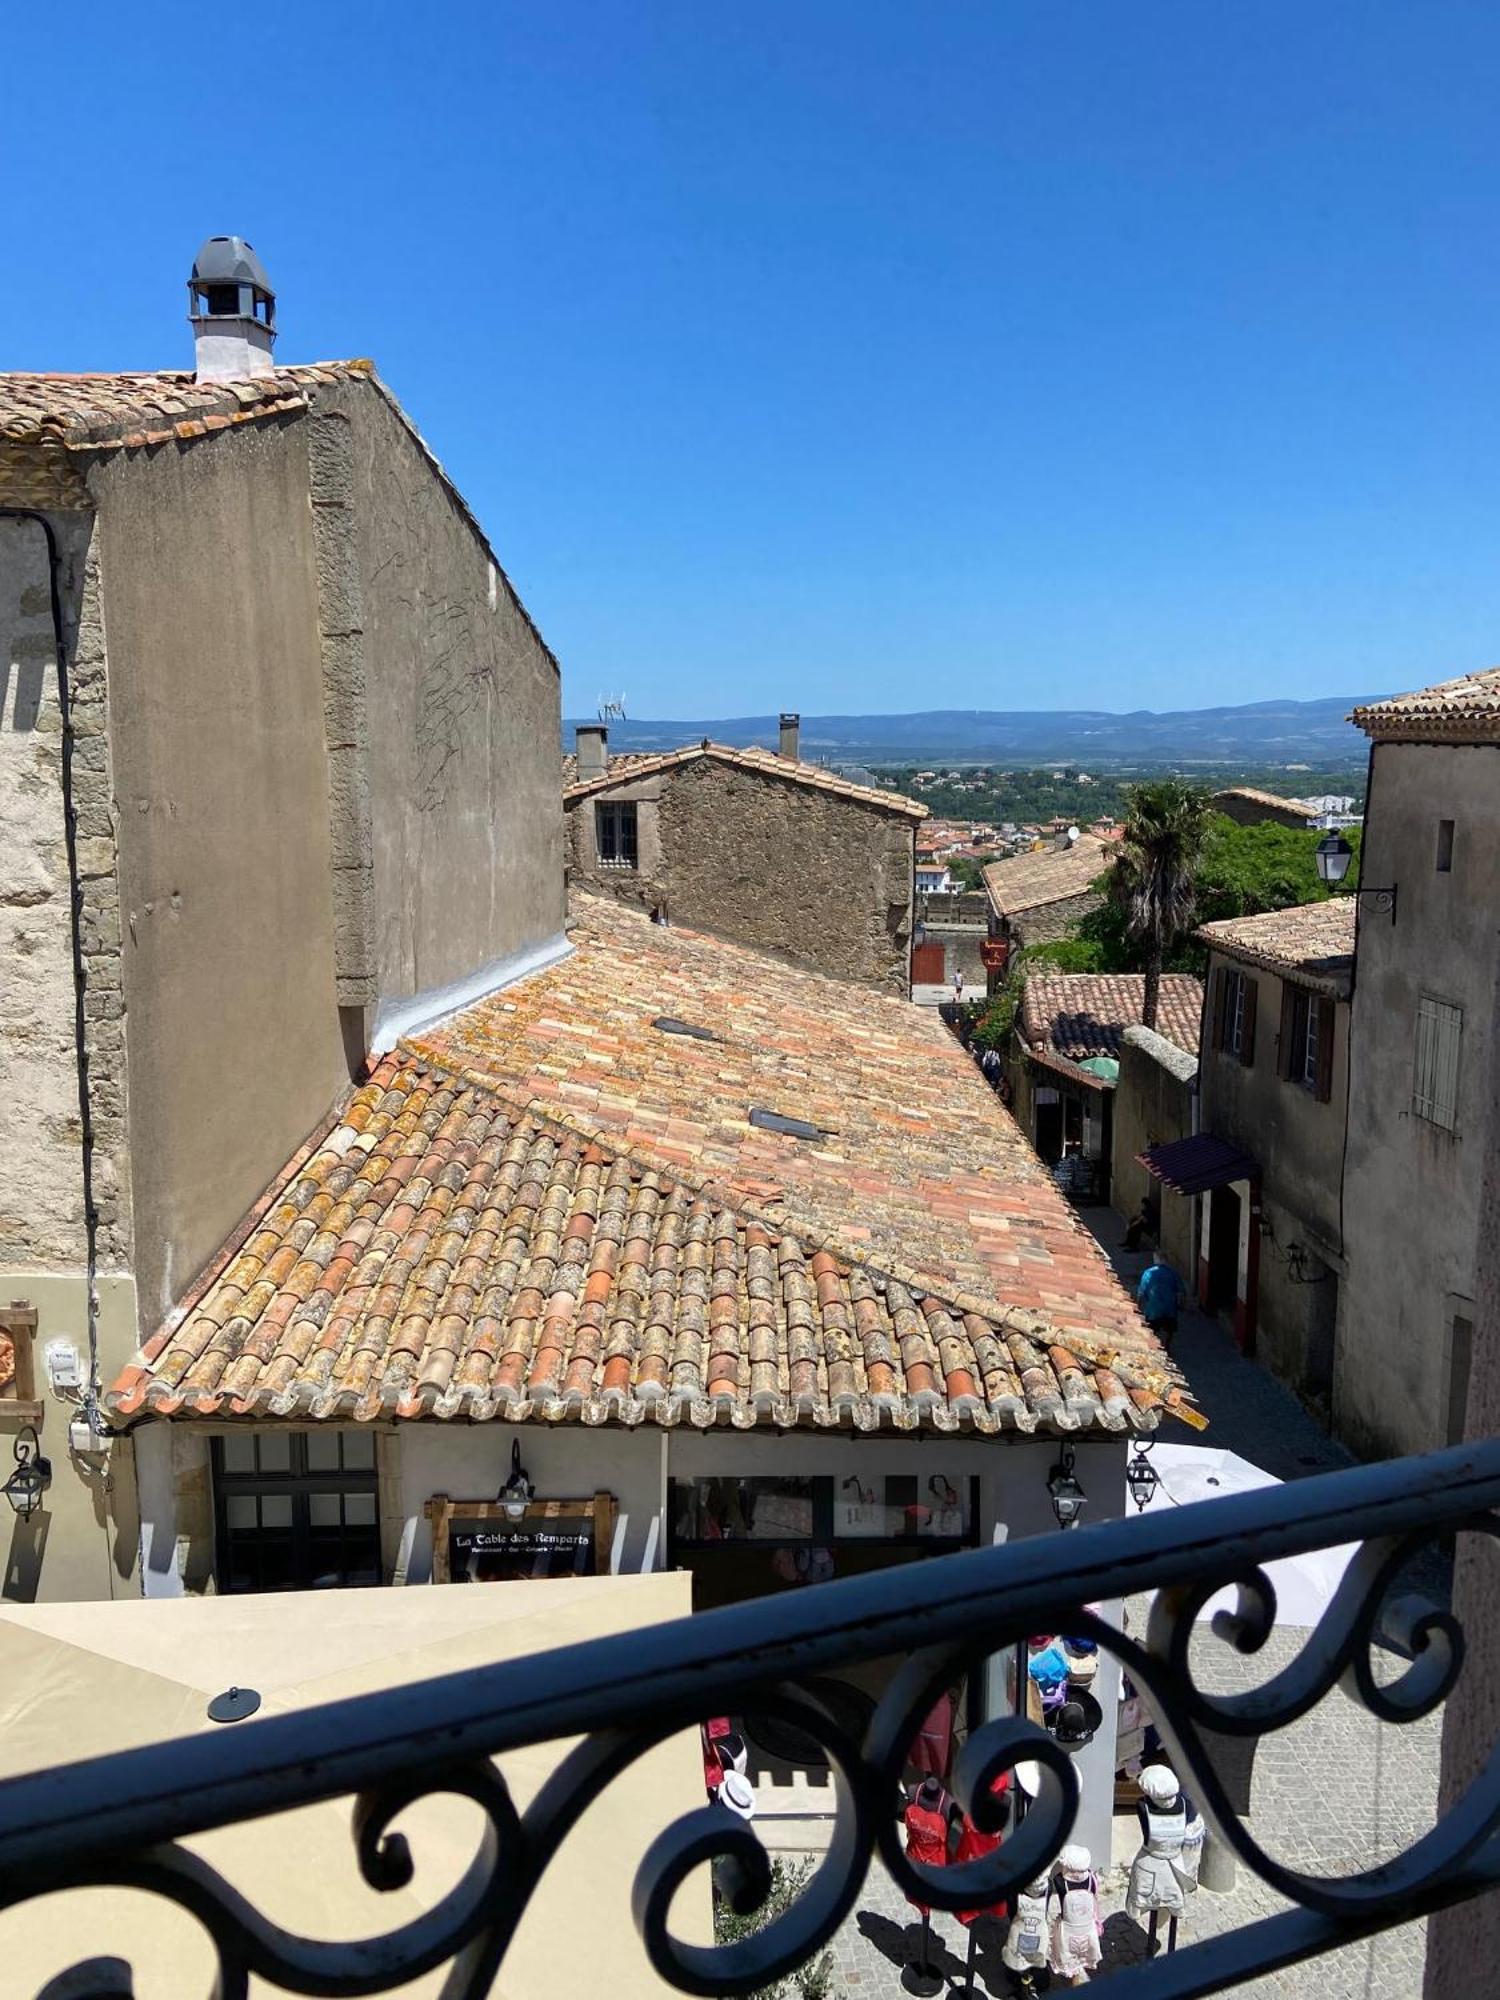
column 476, row 1541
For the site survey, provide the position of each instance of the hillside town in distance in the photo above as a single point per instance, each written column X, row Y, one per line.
column 681, row 1187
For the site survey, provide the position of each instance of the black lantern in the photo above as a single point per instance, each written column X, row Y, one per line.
column 32, row 1476
column 1068, row 1496
column 518, row 1491
column 1142, row 1477
column 1333, row 855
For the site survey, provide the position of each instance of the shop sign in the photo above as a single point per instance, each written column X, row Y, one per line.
column 993, row 952
column 482, row 1541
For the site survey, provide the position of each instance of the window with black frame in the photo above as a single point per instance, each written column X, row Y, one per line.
column 296, row 1510
column 616, row 834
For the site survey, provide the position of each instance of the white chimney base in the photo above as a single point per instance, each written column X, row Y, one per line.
column 227, row 350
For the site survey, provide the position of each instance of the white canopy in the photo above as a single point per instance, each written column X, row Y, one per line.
column 79, row 1680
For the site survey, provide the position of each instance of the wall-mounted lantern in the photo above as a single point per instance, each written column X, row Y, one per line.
column 1142, row 1477
column 32, row 1476
column 518, row 1492
column 1068, row 1496
column 1333, row 855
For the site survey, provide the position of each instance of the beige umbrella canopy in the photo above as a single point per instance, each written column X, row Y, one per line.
column 79, row 1680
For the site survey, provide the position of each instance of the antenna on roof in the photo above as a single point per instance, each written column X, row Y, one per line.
column 612, row 707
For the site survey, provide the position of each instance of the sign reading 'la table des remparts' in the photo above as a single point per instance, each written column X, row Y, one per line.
column 478, row 1541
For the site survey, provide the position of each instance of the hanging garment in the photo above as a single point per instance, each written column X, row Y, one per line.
column 933, row 1748
column 1075, row 1924
column 974, row 1844
column 926, row 1835
column 1026, row 1941
column 1165, row 1872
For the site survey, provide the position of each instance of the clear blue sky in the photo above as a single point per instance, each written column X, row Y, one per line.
column 851, row 354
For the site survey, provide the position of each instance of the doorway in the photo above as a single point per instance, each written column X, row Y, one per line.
column 1223, row 1249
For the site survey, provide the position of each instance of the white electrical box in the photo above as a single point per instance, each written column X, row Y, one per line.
column 64, row 1366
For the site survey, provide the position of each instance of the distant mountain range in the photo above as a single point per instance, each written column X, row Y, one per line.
column 1269, row 732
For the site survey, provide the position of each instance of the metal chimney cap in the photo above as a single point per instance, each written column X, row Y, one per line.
column 229, row 260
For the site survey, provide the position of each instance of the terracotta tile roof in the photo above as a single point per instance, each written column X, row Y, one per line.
column 549, row 1208
column 1257, row 797
column 1314, row 939
column 1466, row 710
column 1079, row 1014
column 89, row 412
column 621, row 764
column 1047, row 875
column 766, row 763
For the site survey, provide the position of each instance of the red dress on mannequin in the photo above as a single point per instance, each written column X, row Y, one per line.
column 973, row 1845
column 926, row 1821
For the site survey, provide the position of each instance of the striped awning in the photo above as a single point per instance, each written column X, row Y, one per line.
column 1194, row 1165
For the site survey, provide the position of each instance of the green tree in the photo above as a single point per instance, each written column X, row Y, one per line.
column 1153, row 882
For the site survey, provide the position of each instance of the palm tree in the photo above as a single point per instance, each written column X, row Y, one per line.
column 1154, row 878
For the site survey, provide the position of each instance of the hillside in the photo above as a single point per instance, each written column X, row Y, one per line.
column 1274, row 733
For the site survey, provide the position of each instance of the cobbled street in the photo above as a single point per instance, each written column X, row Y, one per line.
column 1334, row 1793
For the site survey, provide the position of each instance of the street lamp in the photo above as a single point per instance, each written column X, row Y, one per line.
column 1333, row 855
column 1142, row 1478
column 1068, row 1496
column 32, row 1476
column 518, row 1491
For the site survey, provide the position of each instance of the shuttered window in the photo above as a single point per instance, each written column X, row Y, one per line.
column 1305, row 1049
column 1235, row 996
column 1435, row 1077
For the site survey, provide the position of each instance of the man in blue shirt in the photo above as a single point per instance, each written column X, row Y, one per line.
column 1158, row 1296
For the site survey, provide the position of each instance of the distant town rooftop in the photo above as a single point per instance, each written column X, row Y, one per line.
column 1081, row 1014
column 1313, row 941
column 765, row 763
column 1252, row 795
column 1466, row 710
column 1053, row 874
column 667, row 1179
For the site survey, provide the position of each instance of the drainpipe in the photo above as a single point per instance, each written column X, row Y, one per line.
column 75, row 906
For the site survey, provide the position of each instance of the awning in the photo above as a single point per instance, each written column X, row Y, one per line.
column 1193, row 1166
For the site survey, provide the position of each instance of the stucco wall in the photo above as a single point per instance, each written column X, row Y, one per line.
column 1298, row 1139
column 83, row 1541
column 219, row 768
column 1152, row 1106
column 812, row 877
column 1297, row 1303
column 41, row 1187
column 464, row 708
column 1412, row 1192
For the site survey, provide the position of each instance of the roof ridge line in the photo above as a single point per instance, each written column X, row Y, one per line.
column 797, row 771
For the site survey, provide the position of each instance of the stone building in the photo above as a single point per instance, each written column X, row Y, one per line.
column 950, row 933
column 751, row 845
column 1247, row 806
column 1423, row 1041
column 261, row 678
column 1264, row 1172
column 1154, row 1104
column 1045, row 893
column 1070, row 1030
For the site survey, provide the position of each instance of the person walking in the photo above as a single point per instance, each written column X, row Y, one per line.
column 1159, row 1294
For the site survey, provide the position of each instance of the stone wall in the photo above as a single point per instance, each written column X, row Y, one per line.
column 1153, row 1105
column 1050, row 921
column 441, row 687
column 810, row 876
column 41, row 1188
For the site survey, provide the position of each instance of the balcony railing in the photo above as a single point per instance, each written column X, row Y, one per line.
column 119, row 1820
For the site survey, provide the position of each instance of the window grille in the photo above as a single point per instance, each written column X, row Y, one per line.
column 615, row 833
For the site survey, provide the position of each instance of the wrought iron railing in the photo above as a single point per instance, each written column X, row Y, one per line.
column 120, row 1819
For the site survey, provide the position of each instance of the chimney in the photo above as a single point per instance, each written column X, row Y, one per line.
column 790, row 726
column 232, row 310
column 593, row 750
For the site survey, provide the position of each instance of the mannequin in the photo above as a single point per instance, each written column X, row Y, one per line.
column 1075, row 1916
column 1165, row 1871
column 1025, row 1951
column 973, row 1844
column 928, row 1819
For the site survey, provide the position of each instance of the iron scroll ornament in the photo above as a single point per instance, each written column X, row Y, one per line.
column 120, row 1820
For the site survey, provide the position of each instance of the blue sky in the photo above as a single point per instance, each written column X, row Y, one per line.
column 856, row 356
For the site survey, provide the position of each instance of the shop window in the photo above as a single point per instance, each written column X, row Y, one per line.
column 901, row 1508
column 616, row 834
column 296, row 1510
column 18, row 1392
column 1435, row 1070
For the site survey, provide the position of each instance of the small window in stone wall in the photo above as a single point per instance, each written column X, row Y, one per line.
column 615, row 835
